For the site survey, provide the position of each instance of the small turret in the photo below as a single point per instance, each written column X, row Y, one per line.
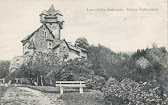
column 51, row 16
column 53, row 19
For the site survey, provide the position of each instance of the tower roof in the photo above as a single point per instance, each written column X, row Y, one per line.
column 51, row 9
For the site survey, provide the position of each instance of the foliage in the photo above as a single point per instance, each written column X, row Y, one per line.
column 82, row 42
column 146, row 65
column 107, row 63
column 77, row 69
column 129, row 92
column 16, row 74
column 35, row 67
column 4, row 68
column 88, row 98
column 3, row 89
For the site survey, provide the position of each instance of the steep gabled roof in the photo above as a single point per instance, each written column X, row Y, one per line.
column 29, row 36
column 71, row 47
column 57, row 44
column 51, row 9
column 82, row 49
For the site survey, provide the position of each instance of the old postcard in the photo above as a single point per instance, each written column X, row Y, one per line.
column 84, row 52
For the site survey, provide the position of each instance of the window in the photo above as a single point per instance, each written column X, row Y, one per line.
column 45, row 34
column 17, row 60
column 49, row 44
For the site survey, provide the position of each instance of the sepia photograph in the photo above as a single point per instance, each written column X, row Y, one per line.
column 84, row 52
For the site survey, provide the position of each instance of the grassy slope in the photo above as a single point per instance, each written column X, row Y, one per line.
column 2, row 90
column 73, row 97
column 87, row 98
column 48, row 89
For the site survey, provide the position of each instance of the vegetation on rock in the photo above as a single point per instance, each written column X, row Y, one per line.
column 146, row 66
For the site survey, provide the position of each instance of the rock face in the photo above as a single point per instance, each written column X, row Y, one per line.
column 36, row 57
column 158, row 55
column 142, row 62
column 16, row 63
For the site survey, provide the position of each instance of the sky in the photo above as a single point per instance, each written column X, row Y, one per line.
column 121, row 25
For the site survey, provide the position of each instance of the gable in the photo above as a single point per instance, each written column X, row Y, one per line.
column 37, row 30
column 29, row 36
column 69, row 46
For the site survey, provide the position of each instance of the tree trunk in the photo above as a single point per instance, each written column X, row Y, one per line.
column 41, row 80
column 37, row 79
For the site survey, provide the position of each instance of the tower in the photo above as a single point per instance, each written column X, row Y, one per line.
column 53, row 19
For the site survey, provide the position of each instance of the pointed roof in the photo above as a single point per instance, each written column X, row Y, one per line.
column 71, row 47
column 51, row 9
column 29, row 36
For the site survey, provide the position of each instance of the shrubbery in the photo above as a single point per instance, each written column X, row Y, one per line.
column 4, row 68
column 147, row 65
column 129, row 92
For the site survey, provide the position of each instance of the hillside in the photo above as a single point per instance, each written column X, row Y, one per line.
column 145, row 66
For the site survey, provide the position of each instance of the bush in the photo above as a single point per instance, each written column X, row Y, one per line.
column 129, row 92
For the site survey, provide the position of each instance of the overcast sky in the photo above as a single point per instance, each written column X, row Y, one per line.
column 100, row 21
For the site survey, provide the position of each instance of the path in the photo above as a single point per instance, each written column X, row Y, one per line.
column 27, row 96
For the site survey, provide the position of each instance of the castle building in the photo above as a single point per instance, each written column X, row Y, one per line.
column 47, row 38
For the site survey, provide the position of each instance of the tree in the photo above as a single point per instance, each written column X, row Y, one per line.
column 82, row 42
column 154, row 45
column 37, row 67
column 4, row 68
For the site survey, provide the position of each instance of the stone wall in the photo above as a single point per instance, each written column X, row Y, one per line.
column 40, row 39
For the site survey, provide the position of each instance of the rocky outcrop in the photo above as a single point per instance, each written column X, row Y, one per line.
column 36, row 57
column 142, row 63
column 16, row 63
